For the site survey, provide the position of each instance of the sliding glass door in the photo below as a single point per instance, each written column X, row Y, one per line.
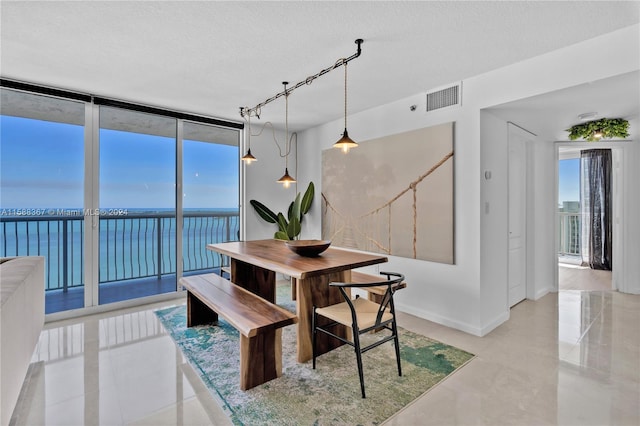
column 137, row 204
column 41, row 190
column 210, row 196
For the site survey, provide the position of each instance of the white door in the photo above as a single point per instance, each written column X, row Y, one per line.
column 517, row 215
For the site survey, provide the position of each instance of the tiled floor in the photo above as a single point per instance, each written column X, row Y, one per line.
column 576, row 277
column 570, row 358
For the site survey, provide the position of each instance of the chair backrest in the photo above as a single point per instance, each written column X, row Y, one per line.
column 387, row 299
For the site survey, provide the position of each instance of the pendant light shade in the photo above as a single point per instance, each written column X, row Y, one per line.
column 286, row 180
column 248, row 157
column 345, row 143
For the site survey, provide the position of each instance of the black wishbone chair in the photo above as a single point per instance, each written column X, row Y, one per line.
column 362, row 316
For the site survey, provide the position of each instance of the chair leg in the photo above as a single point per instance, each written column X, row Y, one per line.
column 313, row 336
column 356, row 344
column 396, row 342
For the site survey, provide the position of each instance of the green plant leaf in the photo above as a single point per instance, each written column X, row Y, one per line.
column 294, row 228
column 307, row 199
column 264, row 212
column 290, row 211
column 281, row 235
column 295, row 208
column 283, row 224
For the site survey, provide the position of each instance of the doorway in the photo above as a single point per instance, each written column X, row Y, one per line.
column 574, row 271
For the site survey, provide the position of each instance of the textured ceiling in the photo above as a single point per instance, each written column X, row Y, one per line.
column 212, row 57
column 550, row 114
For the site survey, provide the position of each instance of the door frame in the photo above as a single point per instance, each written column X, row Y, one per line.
column 618, row 153
column 529, row 226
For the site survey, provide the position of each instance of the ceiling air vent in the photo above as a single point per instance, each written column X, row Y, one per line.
column 444, row 97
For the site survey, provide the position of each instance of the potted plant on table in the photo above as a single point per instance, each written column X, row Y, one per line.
column 289, row 226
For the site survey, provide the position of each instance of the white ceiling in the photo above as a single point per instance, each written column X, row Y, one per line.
column 209, row 57
column 551, row 114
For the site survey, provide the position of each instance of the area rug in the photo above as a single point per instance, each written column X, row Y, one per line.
column 329, row 395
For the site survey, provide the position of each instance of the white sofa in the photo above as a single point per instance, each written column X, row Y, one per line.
column 21, row 321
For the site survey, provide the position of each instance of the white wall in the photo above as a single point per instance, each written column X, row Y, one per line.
column 494, row 228
column 545, row 204
column 470, row 295
column 261, row 177
column 631, row 225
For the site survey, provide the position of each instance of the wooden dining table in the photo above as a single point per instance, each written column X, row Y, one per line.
column 254, row 265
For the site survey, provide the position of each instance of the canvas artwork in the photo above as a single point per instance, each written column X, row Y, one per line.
column 393, row 195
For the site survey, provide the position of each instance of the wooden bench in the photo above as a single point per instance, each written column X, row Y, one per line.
column 258, row 321
column 375, row 293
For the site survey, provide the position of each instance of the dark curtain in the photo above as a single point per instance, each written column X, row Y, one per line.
column 595, row 167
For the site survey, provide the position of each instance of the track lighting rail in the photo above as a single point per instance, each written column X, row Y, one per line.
column 255, row 111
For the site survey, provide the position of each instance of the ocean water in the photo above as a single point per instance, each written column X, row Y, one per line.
column 133, row 243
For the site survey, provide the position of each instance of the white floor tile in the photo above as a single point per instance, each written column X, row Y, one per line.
column 571, row 357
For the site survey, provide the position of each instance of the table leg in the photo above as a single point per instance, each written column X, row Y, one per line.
column 316, row 291
column 257, row 280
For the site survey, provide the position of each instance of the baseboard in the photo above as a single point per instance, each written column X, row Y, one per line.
column 495, row 323
column 543, row 292
column 449, row 322
column 429, row 316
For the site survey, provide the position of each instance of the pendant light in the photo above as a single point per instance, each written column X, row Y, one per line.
column 248, row 157
column 345, row 143
column 286, row 179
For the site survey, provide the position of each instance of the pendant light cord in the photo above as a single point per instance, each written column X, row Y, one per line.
column 345, row 94
column 249, row 132
column 286, row 126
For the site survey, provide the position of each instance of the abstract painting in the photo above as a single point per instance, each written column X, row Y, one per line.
column 393, row 195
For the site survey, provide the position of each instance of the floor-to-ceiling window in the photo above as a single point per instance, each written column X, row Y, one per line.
column 210, row 166
column 42, row 190
column 137, row 203
column 120, row 199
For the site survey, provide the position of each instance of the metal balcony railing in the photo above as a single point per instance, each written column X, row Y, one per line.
column 570, row 233
column 136, row 245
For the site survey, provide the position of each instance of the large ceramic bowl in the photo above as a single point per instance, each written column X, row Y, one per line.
column 308, row 248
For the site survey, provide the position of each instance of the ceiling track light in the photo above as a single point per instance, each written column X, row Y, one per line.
column 345, row 142
column 255, row 111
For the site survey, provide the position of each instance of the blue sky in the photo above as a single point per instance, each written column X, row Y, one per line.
column 42, row 166
column 569, row 180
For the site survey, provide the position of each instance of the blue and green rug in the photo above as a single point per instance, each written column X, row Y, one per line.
column 329, row 395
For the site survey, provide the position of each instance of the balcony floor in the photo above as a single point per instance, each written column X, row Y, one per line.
column 117, row 291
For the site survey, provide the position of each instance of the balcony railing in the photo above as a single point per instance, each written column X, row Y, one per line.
column 137, row 245
column 570, row 233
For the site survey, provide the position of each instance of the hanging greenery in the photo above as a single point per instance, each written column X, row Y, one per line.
column 604, row 128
